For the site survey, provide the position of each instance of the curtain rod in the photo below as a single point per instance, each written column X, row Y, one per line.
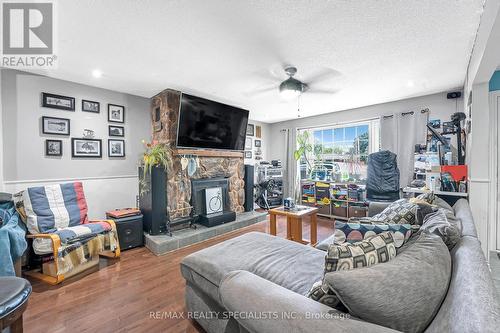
column 407, row 113
column 337, row 124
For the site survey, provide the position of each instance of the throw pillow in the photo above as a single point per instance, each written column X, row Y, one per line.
column 404, row 293
column 377, row 249
column 433, row 199
column 356, row 232
column 401, row 211
column 320, row 292
column 444, row 224
column 427, row 197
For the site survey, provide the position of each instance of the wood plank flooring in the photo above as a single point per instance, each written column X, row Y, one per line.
column 121, row 296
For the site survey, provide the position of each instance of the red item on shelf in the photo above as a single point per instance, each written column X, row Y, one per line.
column 458, row 172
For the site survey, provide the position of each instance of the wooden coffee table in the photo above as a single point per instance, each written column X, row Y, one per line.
column 294, row 222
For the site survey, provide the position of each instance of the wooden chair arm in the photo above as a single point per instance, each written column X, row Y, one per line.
column 56, row 244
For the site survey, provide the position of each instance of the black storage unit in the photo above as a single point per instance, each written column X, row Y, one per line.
column 130, row 233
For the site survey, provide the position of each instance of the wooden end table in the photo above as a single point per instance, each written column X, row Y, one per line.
column 294, row 222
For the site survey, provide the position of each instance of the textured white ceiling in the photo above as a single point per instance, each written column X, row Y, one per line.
column 224, row 50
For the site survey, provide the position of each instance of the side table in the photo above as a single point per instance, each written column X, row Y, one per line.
column 294, row 222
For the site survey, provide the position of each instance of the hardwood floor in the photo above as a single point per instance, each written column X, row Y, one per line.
column 121, row 296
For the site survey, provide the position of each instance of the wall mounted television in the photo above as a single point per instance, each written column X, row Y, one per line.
column 208, row 124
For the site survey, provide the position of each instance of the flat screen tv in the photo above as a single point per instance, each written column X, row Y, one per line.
column 207, row 124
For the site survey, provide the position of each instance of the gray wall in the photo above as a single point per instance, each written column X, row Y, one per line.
column 439, row 106
column 24, row 144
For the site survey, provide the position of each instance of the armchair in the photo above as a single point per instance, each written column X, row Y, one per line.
column 67, row 241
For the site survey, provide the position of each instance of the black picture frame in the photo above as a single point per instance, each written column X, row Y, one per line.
column 51, row 101
column 250, row 130
column 113, row 108
column 47, row 130
column 257, row 143
column 86, row 104
column 112, row 132
column 248, row 154
column 48, row 148
column 76, row 154
column 114, row 154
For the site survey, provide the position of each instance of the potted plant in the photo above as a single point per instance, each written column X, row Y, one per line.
column 154, row 165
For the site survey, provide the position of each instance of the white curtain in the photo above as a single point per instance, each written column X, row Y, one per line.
column 400, row 133
column 291, row 176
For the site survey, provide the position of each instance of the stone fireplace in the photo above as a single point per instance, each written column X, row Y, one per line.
column 212, row 164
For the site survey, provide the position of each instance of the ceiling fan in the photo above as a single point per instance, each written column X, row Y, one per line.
column 324, row 81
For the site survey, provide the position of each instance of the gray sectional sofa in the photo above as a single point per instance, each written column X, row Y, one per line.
column 257, row 283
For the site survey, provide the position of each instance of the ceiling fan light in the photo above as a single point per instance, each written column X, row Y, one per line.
column 289, row 94
column 291, row 88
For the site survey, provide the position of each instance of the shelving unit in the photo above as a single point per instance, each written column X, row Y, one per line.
column 335, row 200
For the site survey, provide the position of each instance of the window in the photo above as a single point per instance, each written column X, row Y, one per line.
column 338, row 153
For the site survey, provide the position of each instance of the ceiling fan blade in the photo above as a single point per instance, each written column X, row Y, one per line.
column 322, row 91
column 262, row 90
column 323, row 74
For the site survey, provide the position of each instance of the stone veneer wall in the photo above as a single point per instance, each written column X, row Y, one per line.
column 178, row 181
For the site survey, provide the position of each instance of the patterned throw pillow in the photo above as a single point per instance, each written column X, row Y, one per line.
column 356, row 232
column 401, row 211
column 369, row 252
column 321, row 292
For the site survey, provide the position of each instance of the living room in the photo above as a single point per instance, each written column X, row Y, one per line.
column 190, row 166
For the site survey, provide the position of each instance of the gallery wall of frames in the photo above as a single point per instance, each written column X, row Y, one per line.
column 57, row 129
column 85, row 144
column 255, row 148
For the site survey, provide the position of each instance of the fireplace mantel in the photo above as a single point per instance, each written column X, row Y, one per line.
column 209, row 153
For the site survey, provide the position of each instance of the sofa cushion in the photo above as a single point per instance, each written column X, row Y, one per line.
column 404, row 293
column 52, row 207
column 355, row 232
column 289, row 264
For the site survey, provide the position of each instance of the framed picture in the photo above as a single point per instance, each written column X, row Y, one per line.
column 53, row 147
column 86, row 148
column 58, row 102
column 91, row 106
column 116, row 113
column 116, row 148
column 248, row 154
column 258, row 143
column 116, row 130
column 56, row 126
column 248, row 143
column 250, row 130
column 258, row 131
